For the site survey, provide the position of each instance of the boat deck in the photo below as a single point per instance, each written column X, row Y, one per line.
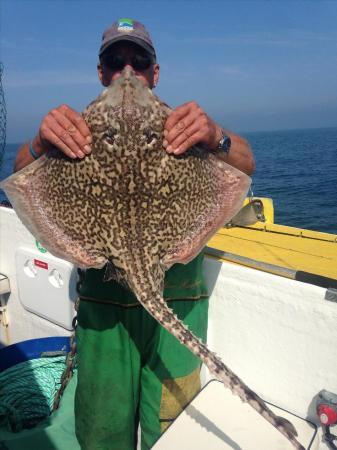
column 271, row 247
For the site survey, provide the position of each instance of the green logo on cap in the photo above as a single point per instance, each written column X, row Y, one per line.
column 125, row 25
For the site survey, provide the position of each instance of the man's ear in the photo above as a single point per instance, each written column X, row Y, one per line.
column 156, row 68
column 100, row 73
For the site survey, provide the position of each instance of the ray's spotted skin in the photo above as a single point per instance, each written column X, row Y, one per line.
column 131, row 206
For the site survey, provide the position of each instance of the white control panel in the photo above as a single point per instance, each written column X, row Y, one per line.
column 47, row 285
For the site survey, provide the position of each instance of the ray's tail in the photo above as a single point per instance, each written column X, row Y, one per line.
column 158, row 308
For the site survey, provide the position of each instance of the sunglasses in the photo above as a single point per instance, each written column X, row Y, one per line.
column 117, row 62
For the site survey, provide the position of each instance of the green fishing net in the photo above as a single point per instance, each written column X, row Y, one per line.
column 27, row 392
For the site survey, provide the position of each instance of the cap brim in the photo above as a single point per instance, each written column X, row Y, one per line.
column 134, row 39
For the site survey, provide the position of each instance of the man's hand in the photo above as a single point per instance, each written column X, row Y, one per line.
column 65, row 129
column 188, row 125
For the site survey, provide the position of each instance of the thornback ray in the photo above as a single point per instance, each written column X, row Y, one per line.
column 136, row 209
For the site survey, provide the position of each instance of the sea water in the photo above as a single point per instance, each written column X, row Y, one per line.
column 296, row 168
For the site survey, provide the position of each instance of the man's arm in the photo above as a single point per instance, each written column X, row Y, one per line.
column 63, row 128
column 188, row 125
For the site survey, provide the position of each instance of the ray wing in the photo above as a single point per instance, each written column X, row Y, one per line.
column 50, row 203
column 217, row 191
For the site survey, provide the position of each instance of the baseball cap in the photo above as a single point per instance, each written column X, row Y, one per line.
column 127, row 30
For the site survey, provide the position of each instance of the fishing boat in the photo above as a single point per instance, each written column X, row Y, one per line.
column 272, row 320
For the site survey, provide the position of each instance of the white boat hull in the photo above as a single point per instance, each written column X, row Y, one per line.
column 278, row 335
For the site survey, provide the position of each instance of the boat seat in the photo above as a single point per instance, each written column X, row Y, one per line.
column 218, row 420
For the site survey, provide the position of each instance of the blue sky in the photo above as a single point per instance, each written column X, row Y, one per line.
column 252, row 65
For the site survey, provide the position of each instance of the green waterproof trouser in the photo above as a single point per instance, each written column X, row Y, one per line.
column 131, row 370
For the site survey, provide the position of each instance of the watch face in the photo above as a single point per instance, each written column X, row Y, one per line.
column 225, row 143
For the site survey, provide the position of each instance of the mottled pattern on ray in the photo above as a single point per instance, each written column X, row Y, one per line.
column 137, row 209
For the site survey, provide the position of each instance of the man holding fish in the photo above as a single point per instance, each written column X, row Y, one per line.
column 130, row 369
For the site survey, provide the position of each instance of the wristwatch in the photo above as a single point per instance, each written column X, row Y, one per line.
column 224, row 143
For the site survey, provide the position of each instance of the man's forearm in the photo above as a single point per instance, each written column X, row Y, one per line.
column 24, row 157
column 240, row 154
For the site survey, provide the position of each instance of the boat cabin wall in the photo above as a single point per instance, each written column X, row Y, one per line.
column 278, row 335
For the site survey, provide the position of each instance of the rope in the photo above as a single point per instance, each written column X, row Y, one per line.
column 70, row 363
column 329, row 438
column 3, row 117
column 28, row 390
